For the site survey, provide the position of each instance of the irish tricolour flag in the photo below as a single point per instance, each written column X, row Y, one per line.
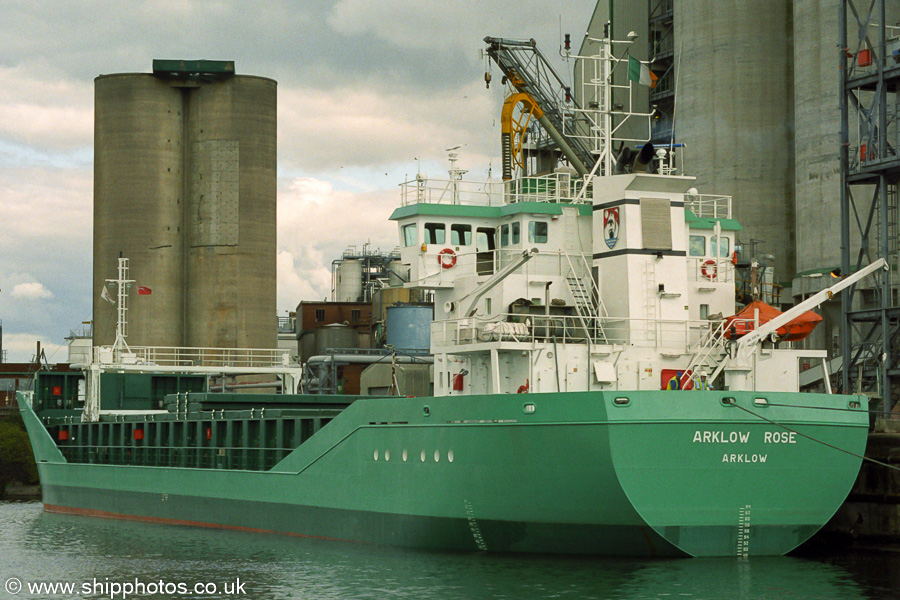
column 640, row 73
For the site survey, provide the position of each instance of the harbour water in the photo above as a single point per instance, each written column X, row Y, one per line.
column 107, row 555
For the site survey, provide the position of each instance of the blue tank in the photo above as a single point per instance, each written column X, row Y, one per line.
column 409, row 326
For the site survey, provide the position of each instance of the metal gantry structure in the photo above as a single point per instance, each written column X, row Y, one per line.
column 529, row 71
column 869, row 63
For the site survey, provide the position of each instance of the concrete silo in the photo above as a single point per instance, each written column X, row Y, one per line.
column 184, row 186
column 734, row 113
column 817, row 137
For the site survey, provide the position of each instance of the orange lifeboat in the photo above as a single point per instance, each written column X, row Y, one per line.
column 742, row 323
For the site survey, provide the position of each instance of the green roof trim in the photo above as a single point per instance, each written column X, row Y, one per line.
column 695, row 222
column 486, row 212
column 445, row 210
column 543, row 208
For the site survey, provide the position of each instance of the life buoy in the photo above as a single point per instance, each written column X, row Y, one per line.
column 523, row 389
column 447, row 258
column 709, row 269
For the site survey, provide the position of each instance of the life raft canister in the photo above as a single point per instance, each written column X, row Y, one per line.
column 447, row 258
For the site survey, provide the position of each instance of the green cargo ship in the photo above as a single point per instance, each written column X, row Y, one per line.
column 640, row 473
column 588, row 397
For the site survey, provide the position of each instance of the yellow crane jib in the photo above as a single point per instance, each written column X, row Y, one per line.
column 512, row 130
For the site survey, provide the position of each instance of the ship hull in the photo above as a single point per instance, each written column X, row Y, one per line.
column 661, row 474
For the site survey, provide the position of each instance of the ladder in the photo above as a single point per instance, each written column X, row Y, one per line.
column 590, row 308
column 712, row 343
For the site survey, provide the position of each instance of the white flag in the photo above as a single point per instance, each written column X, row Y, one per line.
column 105, row 295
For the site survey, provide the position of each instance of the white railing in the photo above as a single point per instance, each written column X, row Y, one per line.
column 708, row 206
column 471, row 262
column 711, row 270
column 171, row 356
column 710, row 344
column 451, row 191
column 513, row 327
column 674, row 336
column 682, row 337
column 553, row 188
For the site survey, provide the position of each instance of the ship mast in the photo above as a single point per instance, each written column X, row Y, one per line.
column 123, row 287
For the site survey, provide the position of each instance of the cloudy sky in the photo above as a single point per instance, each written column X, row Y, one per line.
column 365, row 89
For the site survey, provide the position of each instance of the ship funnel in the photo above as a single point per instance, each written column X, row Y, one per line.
column 643, row 163
column 623, row 160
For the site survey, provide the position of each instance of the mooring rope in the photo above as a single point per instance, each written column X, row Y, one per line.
column 871, row 412
column 809, row 437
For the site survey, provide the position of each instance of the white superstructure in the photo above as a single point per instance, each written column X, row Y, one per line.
column 561, row 282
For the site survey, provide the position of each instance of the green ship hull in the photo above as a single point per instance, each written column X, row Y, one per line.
column 656, row 473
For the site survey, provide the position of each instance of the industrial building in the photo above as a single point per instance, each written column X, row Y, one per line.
column 373, row 336
column 184, row 187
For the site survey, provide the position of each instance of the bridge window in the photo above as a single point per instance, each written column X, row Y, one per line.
column 537, row 232
column 698, row 245
column 724, row 247
column 484, row 239
column 461, row 235
column 514, row 232
column 504, row 235
column 484, row 246
column 408, row 233
column 435, row 233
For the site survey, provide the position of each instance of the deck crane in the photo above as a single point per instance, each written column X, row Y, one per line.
column 545, row 97
column 738, row 365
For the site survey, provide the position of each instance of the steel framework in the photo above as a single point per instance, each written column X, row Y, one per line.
column 869, row 170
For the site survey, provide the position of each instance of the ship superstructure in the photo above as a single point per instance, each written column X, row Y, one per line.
column 620, row 278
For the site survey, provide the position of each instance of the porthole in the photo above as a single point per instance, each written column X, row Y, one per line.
column 404, row 455
column 437, row 456
column 376, row 455
column 423, row 456
column 450, row 456
column 387, row 455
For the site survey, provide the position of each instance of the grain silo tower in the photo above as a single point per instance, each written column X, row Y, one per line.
column 184, row 186
column 734, row 113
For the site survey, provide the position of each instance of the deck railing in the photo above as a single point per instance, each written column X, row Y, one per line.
column 555, row 187
column 708, row 206
column 676, row 336
column 172, row 356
